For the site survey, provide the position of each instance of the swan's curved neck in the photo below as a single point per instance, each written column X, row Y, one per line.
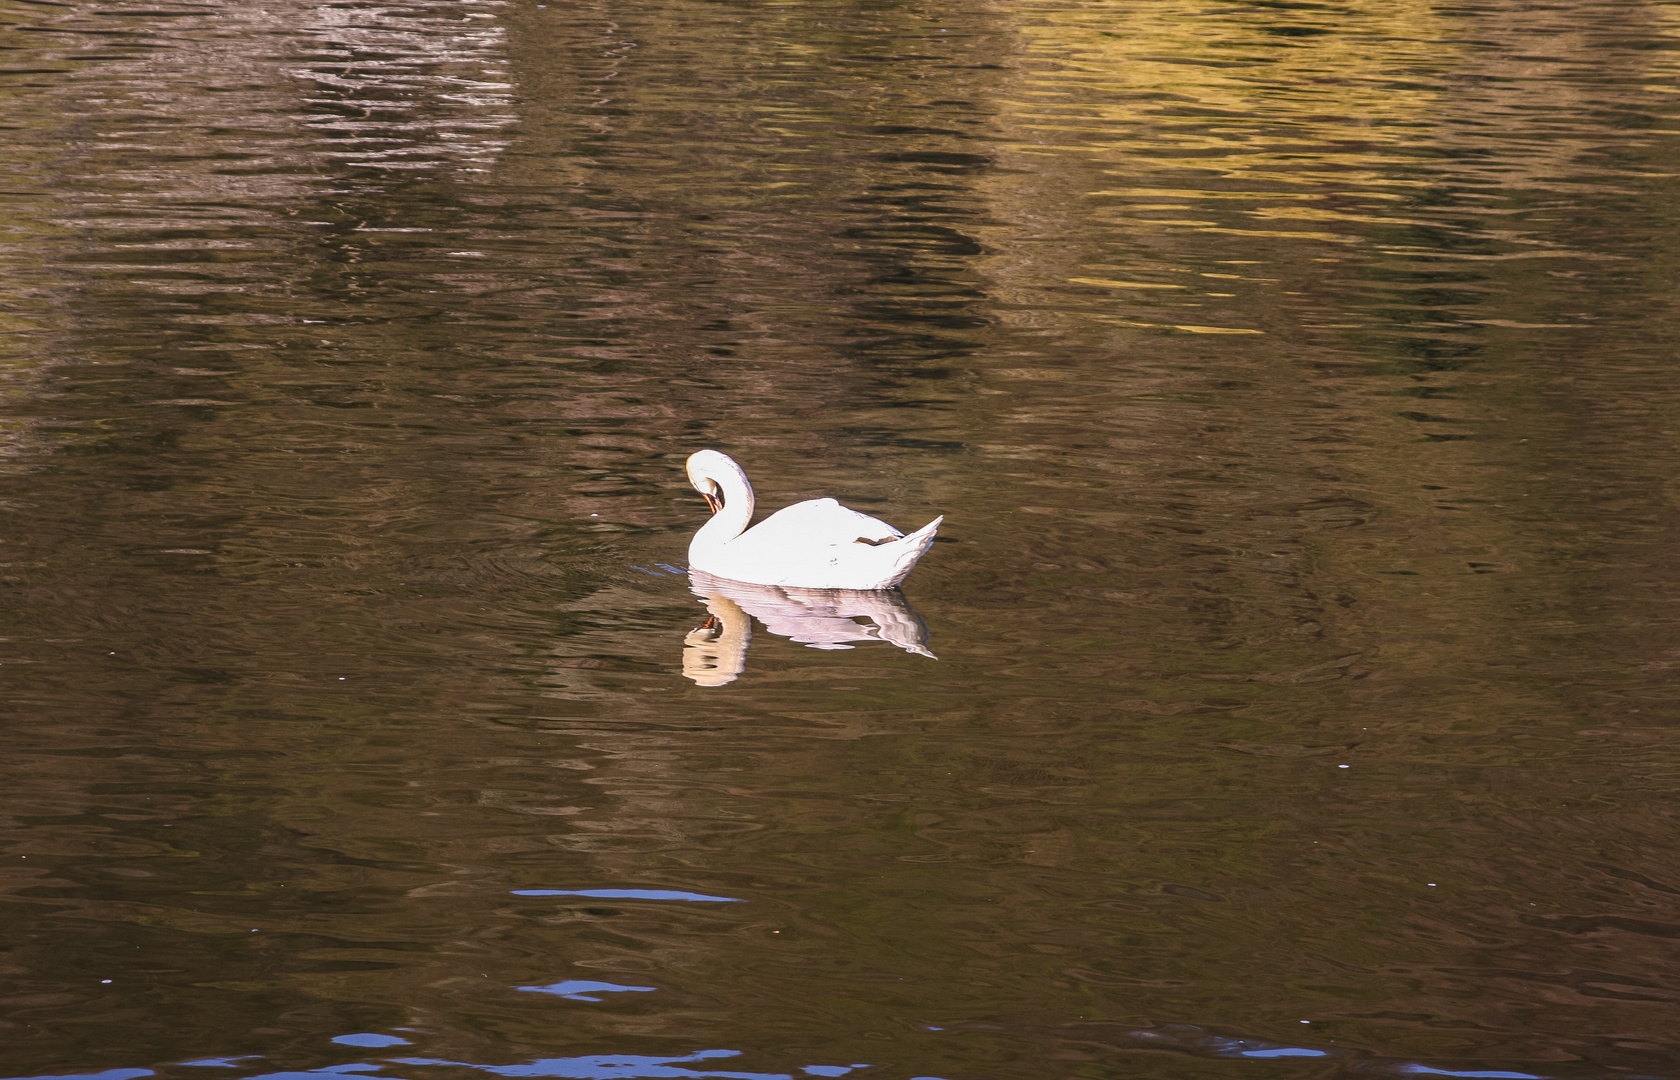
column 732, row 519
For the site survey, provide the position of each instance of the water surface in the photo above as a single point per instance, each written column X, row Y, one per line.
column 1299, row 385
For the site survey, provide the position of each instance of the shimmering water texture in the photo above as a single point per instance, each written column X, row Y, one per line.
column 1298, row 382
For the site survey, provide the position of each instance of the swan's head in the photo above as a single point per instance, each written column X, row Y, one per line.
column 706, row 470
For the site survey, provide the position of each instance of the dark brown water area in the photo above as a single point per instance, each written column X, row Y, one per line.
column 1299, row 382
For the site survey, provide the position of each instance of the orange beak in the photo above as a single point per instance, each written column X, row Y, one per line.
column 712, row 501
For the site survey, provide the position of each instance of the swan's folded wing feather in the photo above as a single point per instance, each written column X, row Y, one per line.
column 821, row 521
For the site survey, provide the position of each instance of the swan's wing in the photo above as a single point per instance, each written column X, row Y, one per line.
column 818, row 545
column 821, row 521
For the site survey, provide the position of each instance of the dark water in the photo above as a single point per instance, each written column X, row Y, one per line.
column 1300, row 385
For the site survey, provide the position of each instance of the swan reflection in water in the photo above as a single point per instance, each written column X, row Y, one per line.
column 716, row 652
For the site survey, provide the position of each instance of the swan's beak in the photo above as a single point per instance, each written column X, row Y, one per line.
column 712, row 501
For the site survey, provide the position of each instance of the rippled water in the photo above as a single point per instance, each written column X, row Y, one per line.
column 1299, row 385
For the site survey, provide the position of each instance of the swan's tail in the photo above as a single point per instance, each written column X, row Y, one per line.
column 909, row 549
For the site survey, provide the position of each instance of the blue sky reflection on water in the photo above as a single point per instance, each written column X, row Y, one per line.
column 632, row 1067
column 368, row 1038
column 660, row 1067
column 581, row 989
column 631, row 894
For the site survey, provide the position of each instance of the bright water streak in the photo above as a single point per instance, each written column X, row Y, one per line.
column 1299, row 384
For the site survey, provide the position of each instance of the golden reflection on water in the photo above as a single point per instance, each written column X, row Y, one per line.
column 1408, row 130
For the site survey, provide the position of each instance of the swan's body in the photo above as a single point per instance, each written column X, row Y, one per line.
column 817, row 544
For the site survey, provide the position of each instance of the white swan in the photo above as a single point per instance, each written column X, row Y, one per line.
column 817, row 544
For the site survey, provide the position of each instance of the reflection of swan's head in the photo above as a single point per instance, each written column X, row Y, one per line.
column 715, row 653
column 712, row 474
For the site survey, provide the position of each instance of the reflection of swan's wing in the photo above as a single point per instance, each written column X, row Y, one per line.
column 808, row 616
column 817, row 631
column 823, row 618
column 897, row 620
column 820, row 521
